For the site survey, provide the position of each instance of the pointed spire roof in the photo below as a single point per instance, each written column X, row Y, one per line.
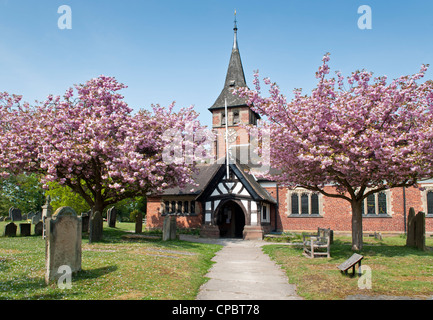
column 235, row 78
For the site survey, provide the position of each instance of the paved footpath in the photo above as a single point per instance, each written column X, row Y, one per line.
column 243, row 272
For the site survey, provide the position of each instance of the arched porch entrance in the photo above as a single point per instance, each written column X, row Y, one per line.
column 230, row 220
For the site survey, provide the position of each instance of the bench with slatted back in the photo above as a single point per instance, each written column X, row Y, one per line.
column 317, row 244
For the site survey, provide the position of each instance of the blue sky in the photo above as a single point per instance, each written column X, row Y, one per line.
column 179, row 50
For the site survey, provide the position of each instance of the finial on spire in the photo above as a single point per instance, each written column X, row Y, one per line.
column 235, row 42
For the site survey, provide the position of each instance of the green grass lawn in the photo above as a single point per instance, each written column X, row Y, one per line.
column 395, row 269
column 111, row 269
column 151, row 269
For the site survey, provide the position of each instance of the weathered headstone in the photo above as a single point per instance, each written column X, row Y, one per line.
column 47, row 210
column 36, row 217
column 111, row 217
column 139, row 222
column 169, row 228
column 96, row 227
column 410, row 239
column 15, row 214
column 85, row 220
column 39, row 228
column 25, row 229
column 416, row 229
column 10, row 230
column 63, row 243
column 30, row 215
column 420, row 230
column 2, row 218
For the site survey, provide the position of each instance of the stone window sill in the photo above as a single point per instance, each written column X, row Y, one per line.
column 376, row 216
column 179, row 214
column 305, row 216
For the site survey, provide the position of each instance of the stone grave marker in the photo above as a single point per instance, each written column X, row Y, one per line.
column 25, row 229
column 47, row 210
column 95, row 227
column 111, row 217
column 30, row 215
column 139, row 222
column 37, row 217
column 416, row 230
column 85, row 220
column 420, row 230
column 169, row 228
column 39, row 228
column 15, row 214
column 63, row 243
column 10, row 230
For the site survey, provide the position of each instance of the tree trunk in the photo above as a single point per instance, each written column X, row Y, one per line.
column 98, row 205
column 356, row 225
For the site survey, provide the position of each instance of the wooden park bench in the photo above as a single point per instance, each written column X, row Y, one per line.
column 317, row 244
column 351, row 263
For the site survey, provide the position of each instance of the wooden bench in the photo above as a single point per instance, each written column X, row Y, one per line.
column 351, row 263
column 317, row 244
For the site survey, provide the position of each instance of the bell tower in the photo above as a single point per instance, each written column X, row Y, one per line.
column 238, row 112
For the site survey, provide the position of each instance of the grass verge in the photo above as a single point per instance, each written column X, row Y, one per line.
column 113, row 269
column 396, row 270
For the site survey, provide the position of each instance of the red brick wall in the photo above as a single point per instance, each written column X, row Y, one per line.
column 337, row 214
column 155, row 220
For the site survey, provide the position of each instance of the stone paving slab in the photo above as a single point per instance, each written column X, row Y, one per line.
column 243, row 272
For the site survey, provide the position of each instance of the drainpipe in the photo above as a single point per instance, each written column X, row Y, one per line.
column 404, row 209
column 277, row 210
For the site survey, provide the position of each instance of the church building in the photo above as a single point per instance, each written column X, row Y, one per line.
column 229, row 201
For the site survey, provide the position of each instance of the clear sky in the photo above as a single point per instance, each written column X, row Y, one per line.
column 178, row 50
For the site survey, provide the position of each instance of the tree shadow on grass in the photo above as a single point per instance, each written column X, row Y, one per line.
column 343, row 250
column 33, row 285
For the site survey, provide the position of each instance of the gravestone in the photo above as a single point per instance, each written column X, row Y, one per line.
column 139, row 222
column 25, row 229
column 169, row 228
column 2, row 218
column 10, row 230
column 30, row 215
column 39, row 228
column 420, row 230
column 63, row 243
column 111, row 217
column 95, row 227
column 85, row 220
column 37, row 217
column 47, row 210
column 410, row 239
column 416, row 229
column 15, row 214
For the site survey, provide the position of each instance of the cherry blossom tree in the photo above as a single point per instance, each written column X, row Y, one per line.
column 359, row 134
column 90, row 140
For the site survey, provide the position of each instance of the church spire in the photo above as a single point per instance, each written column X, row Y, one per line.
column 235, row 77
